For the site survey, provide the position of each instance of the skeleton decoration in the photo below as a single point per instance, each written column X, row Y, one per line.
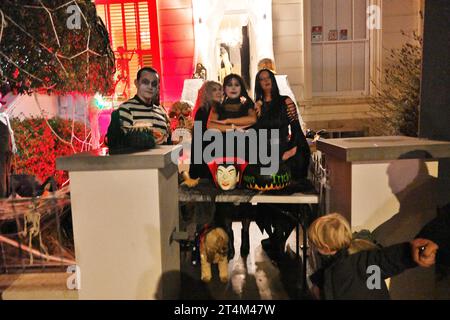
column 200, row 72
column 32, row 229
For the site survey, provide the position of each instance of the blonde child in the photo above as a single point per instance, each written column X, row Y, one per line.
column 353, row 268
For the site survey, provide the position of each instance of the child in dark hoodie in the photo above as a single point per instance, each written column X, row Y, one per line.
column 353, row 268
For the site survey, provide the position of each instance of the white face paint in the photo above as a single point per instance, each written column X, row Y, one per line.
column 147, row 86
column 233, row 89
column 227, row 177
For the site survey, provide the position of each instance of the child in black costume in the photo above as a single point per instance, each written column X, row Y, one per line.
column 349, row 266
column 236, row 111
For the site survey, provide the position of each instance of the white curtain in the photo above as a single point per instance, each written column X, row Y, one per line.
column 208, row 17
column 261, row 38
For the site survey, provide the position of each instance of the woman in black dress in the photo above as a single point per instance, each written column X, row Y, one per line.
column 235, row 112
column 275, row 111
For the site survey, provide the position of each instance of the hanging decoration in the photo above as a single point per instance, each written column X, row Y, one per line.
column 43, row 50
column 55, row 47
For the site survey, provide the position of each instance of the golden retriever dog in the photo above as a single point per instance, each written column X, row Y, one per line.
column 214, row 249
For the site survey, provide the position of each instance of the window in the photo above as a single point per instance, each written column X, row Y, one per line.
column 133, row 32
column 340, row 47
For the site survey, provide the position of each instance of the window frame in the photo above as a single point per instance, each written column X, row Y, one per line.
column 154, row 50
column 369, row 56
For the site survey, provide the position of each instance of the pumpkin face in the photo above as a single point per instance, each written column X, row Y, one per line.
column 253, row 179
column 227, row 177
column 230, row 171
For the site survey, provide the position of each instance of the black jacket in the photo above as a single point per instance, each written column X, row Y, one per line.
column 200, row 170
column 345, row 277
column 277, row 114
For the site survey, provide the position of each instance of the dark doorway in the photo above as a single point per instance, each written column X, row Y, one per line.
column 245, row 56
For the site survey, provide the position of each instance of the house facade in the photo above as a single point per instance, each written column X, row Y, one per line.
column 332, row 70
column 332, row 51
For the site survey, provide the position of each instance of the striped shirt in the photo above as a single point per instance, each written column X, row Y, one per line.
column 136, row 111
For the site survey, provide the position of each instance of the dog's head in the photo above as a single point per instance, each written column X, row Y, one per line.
column 216, row 245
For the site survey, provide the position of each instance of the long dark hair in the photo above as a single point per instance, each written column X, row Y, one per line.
column 259, row 92
column 227, row 81
column 271, row 113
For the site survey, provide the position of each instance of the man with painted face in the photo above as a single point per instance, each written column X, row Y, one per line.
column 144, row 107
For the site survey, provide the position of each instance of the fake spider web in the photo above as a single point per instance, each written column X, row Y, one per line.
column 60, row 60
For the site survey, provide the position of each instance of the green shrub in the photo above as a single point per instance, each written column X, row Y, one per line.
column 397, row 100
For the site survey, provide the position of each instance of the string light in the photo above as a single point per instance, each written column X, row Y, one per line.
column 101, row 103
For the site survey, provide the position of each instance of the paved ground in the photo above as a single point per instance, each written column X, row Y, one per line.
column 255, row 277
column 36, row 286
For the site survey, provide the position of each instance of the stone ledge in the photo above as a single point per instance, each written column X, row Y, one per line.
column 36, row 286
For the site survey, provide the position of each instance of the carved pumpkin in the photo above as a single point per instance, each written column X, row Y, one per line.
column 253, row 179
column 140, row 138
column 238, row 164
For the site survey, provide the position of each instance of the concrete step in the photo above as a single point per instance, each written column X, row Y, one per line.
column 36, row 286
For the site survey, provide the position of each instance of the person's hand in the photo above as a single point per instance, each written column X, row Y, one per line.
column 315, row 291
column 289, row 153
column 191, row 182
column 427, row 257
column 241, row 128
column 218, row 121
column 258, row 106
column 188, row 181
